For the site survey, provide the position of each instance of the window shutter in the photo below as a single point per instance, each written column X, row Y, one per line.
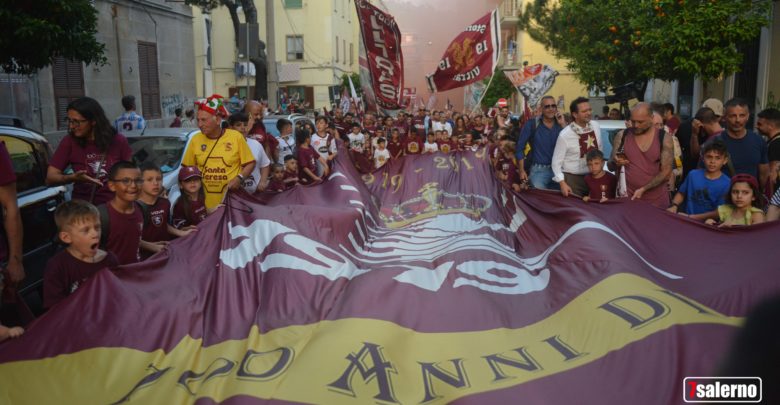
column 68, row 83
column 150, row 81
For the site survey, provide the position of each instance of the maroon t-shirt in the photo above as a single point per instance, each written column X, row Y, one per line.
column 395, row 148
column 276, row 186
column 64, row 274
column 413, row 145
column 446, row 147
column 419, row 125
column 605, row 186
column 307, row 158
column 89, row 158
column 340, row 126
column 197, row 213
column 509, row 168
column 156, row 224
column 124, row 234
column 7, row 176
column 291, row 179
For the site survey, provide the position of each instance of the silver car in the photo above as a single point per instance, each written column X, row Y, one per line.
column 164, row 147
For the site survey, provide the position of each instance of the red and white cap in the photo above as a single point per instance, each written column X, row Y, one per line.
column 215, row 105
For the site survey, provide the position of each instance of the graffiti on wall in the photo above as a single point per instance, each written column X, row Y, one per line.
column 173, row 101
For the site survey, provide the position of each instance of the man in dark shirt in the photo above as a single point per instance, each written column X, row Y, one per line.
column 747, row 150
column 768, row 125
column 542, row 135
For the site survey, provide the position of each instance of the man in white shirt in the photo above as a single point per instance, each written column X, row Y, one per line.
column 440, row 124
column 574, row 142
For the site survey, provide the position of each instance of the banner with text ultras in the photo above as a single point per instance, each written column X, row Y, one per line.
column 423, row 282
column 381, row 61
column 471, row 56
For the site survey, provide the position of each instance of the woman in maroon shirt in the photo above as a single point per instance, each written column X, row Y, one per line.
column 91, row 147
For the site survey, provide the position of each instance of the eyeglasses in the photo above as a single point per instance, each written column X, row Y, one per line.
column 74, row 123
column 549, row 106
column 128, row 181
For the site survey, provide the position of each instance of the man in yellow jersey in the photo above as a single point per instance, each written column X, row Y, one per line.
column 222, row 155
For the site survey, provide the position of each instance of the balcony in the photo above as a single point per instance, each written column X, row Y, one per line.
column 509, row 60
column 508, row 12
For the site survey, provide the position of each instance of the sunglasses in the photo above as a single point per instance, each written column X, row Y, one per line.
column 548, row 106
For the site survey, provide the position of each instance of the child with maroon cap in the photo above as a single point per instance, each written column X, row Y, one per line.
column 190, row 208
column 744, row 205
column 156, row 211
column 602, row 185
column 78, row 223
column 124, row 217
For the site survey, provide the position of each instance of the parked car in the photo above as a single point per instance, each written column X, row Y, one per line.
column 30, row 153
column 270, row 122
column 165, row 147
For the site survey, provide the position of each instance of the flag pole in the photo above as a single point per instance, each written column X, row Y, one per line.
column 479, row 103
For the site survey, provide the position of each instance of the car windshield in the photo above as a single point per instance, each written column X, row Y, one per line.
column 165, row 152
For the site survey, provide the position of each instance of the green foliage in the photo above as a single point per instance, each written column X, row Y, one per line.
column 501, row 87
column 38, row 31
column 612, row 42
column 355, row 82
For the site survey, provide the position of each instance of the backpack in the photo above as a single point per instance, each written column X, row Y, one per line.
column 105, row 220
column 660, row 141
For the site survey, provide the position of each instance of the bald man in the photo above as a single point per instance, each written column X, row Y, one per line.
column 256, row 112
column 647, row 159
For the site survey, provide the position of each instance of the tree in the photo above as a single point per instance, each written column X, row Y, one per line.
column 612, row 42
column 355, row 81
column 250, row 16
column 38, row 31
column 501, row 87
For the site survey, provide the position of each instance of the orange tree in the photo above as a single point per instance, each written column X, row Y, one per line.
column 611, row 42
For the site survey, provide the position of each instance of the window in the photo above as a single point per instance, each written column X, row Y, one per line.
column 351, row 54
column 293, row 3
column 294, row 47
column 337, row 49
column 29, row 170
column 150, row 81
column 68, row 81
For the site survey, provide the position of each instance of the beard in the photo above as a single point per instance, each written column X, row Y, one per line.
column 641, row 131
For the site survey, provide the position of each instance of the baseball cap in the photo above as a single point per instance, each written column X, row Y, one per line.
column 188, row 172
column 715, row 105
column 746, row 178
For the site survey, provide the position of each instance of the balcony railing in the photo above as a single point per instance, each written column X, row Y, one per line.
column 509, row 9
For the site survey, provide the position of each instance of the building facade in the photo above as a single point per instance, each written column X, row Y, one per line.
column 149, row 51
column 314, row 44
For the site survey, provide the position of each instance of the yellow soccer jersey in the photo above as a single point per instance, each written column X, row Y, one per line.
column 220, row 160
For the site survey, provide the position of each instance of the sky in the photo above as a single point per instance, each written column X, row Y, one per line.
column 427, row 28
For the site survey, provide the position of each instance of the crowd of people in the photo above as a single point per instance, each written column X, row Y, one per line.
column 119, row 213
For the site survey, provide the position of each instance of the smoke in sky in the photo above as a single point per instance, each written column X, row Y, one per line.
column 427, row 28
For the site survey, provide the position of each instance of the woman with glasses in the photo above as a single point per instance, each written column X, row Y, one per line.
column 91, row 147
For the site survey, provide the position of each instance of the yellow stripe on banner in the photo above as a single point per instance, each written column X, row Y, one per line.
column 362, row 360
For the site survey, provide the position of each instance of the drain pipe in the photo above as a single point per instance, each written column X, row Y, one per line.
column 118, row 49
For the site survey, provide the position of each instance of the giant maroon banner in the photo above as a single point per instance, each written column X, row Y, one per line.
column 381, row 58
column 472, row 55
column 425, row 281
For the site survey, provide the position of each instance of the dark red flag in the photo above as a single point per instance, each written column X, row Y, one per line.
column 471, row 56
column 384, row 61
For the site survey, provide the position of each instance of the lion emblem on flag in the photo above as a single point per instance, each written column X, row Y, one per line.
column 462, row 54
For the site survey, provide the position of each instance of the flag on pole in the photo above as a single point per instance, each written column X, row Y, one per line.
column 472, row 55
column 380, row 59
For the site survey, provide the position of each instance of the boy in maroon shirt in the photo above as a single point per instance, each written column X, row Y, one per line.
column 125, row 220
column 78, row 223
column 506, row 168
column 290, row 171
column 307, row 158
column 156, row 212
column 413, row 145
column 395, row 146
column 276, row 184
column 602, row 185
